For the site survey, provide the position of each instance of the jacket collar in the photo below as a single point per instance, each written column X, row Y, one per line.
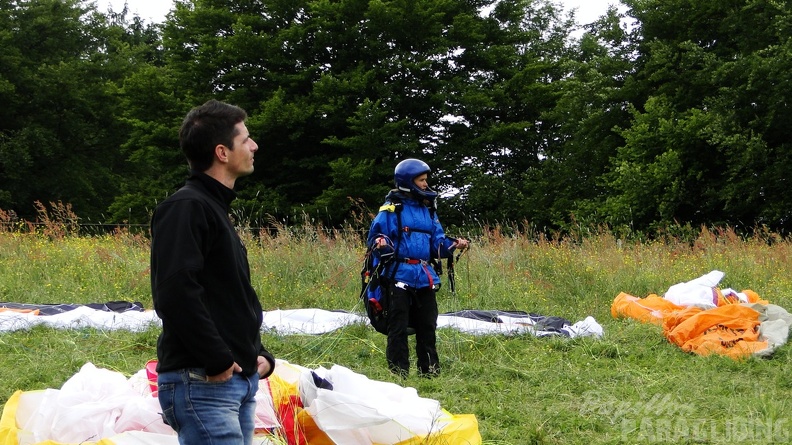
column 401, row 196
column 215, row 188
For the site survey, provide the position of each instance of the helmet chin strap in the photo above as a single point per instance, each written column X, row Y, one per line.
column 427, row 194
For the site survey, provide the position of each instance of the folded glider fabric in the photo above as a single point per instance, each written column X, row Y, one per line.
column 18, row 409
column 361, row 411
column 81, row 317
column 711, row 320
column 52, row 309
column 308, row 321
column 301, row 407
column 20, row 311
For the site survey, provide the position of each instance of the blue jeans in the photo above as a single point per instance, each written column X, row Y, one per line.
column 208, row 413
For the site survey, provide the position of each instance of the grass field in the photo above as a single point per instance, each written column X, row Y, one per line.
column 631, row 386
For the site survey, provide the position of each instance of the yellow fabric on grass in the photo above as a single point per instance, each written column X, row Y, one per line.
column 463, row 430
column 9, row 429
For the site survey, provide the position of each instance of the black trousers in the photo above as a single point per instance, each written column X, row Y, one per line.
column 416, row 308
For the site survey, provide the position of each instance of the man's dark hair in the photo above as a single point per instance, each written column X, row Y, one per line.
column 205, row 127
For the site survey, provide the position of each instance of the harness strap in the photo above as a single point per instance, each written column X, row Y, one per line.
column 424, row 264
column 411, row 261
column 428, row 274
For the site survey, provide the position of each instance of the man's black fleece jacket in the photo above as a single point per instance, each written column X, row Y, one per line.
column 200, row 282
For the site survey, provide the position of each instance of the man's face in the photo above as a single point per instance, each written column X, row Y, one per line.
column 240, row 159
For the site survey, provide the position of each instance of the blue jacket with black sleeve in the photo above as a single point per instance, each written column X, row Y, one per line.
column 414, row 235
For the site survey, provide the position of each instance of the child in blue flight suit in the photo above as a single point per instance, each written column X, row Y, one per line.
column 407, row 235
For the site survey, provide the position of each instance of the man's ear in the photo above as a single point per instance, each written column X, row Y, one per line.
column 221, row 153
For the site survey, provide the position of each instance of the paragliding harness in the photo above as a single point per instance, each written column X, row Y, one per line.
column 375, row 285
column 375, row 290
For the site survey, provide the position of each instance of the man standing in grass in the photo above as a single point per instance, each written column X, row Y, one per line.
column 210, row 356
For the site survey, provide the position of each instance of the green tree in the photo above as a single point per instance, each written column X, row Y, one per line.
column 501, row 135
column 337, row 90
column 593, row 104
column 151, row 112
column 149, row 109
column 706, row 143
column 58, row 137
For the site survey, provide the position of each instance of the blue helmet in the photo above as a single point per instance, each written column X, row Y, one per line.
column 405, row 173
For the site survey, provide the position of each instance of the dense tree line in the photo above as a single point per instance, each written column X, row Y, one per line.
column 674, row 112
